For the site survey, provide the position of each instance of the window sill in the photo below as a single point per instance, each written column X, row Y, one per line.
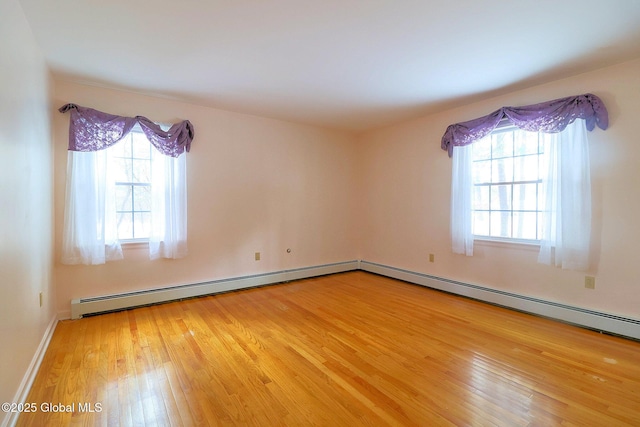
column 497, row 242
column 135, row 244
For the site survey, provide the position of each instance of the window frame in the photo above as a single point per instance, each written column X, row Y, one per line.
column 128, row 139
column 503, row 127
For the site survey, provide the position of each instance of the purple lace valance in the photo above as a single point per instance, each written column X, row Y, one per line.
column 93, row 130
column 549, row 117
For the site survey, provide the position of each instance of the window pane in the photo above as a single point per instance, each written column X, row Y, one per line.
column 481, row 197
column 141, row 171
column 482, row 172
column 540, row 225
column 524, row 197
column 117, row 149
column 142, row 198
column 126, row 145
column 482, row 149
column 500, row 197
column 501, row 224
column 502, row 170
column 141, row 224
column 123, row 198
column 123, row 169
column 125, row 225
column 541, row 197
column 481, row 223
column 141, row 146
column 525, row 142
column 524, row 225
column 502, row 144
column 526, row 168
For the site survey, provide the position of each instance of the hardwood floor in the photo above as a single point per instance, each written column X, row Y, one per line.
column 342, row 350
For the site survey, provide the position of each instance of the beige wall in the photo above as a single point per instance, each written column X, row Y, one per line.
column 257, row 184
column 26, row 228
column 254, row 185
column 407, row 193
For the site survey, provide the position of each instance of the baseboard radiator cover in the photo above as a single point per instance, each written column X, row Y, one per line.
column 591, row 319
column 604, row 322
column 102, row 304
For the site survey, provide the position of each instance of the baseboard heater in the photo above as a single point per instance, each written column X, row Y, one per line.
column 599, row 321
column 604, row 322
column 103, row 304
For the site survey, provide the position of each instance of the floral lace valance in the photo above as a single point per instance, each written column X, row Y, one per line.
column 93, row 130
column 550, row 117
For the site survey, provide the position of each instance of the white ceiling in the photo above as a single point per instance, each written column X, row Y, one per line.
column 346, row 64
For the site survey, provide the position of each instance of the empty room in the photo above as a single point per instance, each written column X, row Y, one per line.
column 330, row 213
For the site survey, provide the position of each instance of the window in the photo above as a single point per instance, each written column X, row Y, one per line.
column 126, row 181
column 131, row 161
column 505, row 190
column 507, row 184
column 514, row 185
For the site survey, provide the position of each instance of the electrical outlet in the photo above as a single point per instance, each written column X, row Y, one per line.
column 40, row 297
column 589, row 282
column 257, row 256
column 432, row 258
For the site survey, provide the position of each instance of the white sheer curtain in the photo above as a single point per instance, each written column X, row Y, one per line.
column 461, row 201
column 566, row 226
column 90, row 234
column 168, row 237
column 90, row 230
column 566, row 221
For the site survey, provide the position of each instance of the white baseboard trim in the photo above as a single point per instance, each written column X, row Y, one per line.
column 11, row 418
column 591, row 319
column 101, row 304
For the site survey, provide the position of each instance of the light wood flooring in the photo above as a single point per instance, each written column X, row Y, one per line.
column 342, row 350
